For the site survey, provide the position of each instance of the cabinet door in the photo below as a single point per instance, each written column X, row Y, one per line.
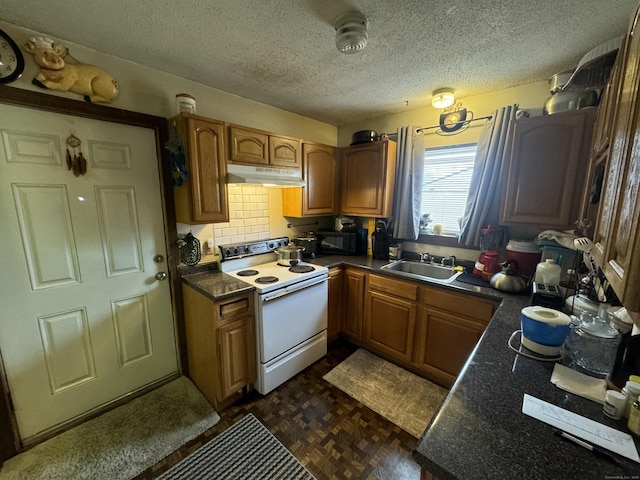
column 620, row 211
column 444, row 343
column 284, row 152
column 368, row 175
column 389, row 324
column 335, row 303
column 318, row 196
column 236, row 348
column 203, row 199
column 249, row 147
column 546, row 169
column 355, row 281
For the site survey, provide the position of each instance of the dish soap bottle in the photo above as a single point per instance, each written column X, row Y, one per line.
column 548, row 272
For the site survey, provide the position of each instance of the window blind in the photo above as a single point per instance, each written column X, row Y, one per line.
column 447, row 176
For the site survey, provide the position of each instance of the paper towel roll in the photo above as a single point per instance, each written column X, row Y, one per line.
column 546, row 315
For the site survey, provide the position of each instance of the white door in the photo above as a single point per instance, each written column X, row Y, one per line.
column 83, row 319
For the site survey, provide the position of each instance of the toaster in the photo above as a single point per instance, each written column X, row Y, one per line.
column 547, row 295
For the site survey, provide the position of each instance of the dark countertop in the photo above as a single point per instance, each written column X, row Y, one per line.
column 479, row 431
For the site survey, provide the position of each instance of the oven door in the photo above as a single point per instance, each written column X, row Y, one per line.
column 290, row 316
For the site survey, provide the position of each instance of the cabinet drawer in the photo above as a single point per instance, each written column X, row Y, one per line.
column 465, row 305
column 394, row 287
column 235, row 307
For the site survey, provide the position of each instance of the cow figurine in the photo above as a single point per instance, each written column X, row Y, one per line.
column 55, row 74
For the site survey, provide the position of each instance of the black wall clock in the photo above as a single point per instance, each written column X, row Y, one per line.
column 452, row 121
column 11, row 59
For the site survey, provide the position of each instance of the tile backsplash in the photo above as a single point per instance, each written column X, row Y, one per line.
column 248, row 216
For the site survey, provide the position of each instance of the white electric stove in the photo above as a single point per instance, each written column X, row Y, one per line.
column 291, row 307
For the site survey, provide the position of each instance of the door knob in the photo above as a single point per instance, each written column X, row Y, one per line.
column 158, row 259
column 161, row 276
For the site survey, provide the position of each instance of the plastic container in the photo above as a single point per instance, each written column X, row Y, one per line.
column 526, row 253
column 634, row 418
column 185, row 103
column 564, row 257
column 614, row 404
column 631, row 390
column 548, row 272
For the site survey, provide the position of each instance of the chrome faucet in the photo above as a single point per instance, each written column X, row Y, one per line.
column 426, row 257
column 451, row 259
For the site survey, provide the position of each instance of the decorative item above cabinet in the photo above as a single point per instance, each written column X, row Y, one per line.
column 546, row 168
column 255, row 147
column 319, row 196
column 203, row 196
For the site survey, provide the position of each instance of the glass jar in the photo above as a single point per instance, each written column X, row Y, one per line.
column 595, row 344
column 634, row 418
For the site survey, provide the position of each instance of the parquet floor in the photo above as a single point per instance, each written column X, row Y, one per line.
column 330, row 433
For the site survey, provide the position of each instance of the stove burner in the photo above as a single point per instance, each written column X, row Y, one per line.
column 247, row 273
column 301, row 269
column 270, row 279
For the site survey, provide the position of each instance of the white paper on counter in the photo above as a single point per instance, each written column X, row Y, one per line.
column 575, row 382
column 584, row 428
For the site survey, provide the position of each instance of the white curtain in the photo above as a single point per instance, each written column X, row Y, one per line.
column 408, row 185
column 483, row 201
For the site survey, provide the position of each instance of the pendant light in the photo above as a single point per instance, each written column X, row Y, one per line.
column 351, row 32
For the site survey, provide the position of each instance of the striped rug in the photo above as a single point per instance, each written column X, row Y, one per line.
column 244, row 451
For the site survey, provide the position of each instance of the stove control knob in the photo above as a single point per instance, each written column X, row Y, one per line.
column 235, row 251
column 247, row 249
column 227, row 252
column 270, row 245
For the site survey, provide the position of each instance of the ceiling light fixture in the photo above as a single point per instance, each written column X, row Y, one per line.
column 351, row 32
column 442, row 98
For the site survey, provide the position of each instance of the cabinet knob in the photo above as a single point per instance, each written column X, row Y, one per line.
column 161, row 276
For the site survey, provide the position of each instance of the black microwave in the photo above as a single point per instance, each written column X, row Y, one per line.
column 343, row 243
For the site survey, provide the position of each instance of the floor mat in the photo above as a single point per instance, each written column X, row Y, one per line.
column 122, row 442
column 401, row 397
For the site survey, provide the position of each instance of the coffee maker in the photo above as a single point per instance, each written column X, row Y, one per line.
column 380, row 241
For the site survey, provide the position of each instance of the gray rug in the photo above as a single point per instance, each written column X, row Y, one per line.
column 401, row 397
column 244, row 451
column 122, row 442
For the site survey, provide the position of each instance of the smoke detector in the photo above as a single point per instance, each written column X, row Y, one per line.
column 351, row 32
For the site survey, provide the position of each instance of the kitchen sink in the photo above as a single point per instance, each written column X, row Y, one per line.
column 424, row 271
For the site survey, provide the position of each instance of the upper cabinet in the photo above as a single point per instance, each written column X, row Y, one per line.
column 368, row 176
column 617, row 236
column 255, row 147
column 546, row 169
column 203, row 197
column 319, row 195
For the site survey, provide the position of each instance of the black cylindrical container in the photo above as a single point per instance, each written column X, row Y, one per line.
column 627, row 361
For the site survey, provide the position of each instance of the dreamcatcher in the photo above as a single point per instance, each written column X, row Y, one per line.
column 76, row 162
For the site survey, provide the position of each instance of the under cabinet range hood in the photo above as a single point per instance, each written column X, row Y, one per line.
column 270, row 177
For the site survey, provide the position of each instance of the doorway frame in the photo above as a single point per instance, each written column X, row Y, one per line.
column 10, row 443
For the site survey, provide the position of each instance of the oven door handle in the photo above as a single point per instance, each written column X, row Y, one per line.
column 276, row 295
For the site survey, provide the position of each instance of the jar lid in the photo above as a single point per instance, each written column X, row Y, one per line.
column 523, row 246
column 599, row 328
column 633, row 387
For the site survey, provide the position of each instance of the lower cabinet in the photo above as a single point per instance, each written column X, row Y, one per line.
column 334, row 324
column 220, row 339
column 449, row 327
column 390, row 316
column 429, row 330
column 354, row 287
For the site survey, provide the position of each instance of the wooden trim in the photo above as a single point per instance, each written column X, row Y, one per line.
column 11, row 443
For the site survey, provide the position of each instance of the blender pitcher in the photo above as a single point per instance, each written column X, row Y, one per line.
column 490, row 238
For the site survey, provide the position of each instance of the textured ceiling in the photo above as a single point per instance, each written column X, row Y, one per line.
column 282, row 52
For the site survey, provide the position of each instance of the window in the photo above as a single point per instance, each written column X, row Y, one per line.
column 447, row 175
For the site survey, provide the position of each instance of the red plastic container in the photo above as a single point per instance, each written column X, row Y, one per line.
column 526, row 253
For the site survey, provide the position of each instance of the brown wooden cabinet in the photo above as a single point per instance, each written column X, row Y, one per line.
column 390, row 316
column 203, row 197
column 319, row 195
column 546, row 169
column 368, row 176
column 448, row 329
column 354, row 289
column 220, row 344
column 336, row 294
column 617, row 236
column 254, row 147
